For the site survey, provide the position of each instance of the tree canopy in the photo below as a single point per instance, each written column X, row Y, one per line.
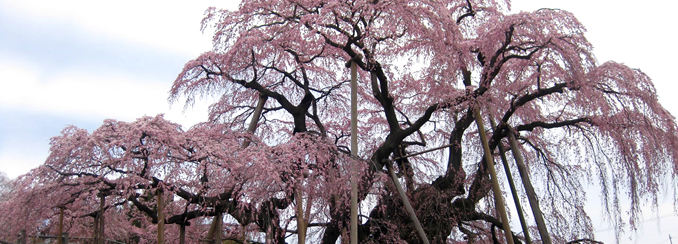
column 424, row 67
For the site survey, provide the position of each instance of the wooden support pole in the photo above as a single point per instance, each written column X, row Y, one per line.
column 424, row 151
column 489, row 160
column 354, row 151
column 210, row 232
column 95, row 238
column 301, row 222
column 161, row 216
column 408, row 206
column 255, row 117
column 218, row 231
column 514, row 192
column 214, row 234
column 102, row 204
column 61, row 225
column 529, row 190
column 23, row 237
column 182, row 233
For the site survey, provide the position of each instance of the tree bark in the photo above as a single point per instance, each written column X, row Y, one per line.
column 489, row 160
column 531, row 195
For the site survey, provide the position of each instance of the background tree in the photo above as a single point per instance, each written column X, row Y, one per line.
column 5, row 187
column 6, row 190
column 201, row 173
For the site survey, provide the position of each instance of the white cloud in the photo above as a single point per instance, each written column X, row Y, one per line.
column 15, row 165
column 173, row 26
column 91, row 92
column 79, row 93
column 85, row 94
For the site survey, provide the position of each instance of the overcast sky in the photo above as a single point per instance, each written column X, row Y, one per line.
column 79, row 62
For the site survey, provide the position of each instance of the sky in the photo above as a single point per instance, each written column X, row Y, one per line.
column 72, row 62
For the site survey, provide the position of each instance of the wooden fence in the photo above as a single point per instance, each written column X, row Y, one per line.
column 24, row 239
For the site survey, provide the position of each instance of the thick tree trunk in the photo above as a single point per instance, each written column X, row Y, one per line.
column 489, row 160
column 531, row 195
